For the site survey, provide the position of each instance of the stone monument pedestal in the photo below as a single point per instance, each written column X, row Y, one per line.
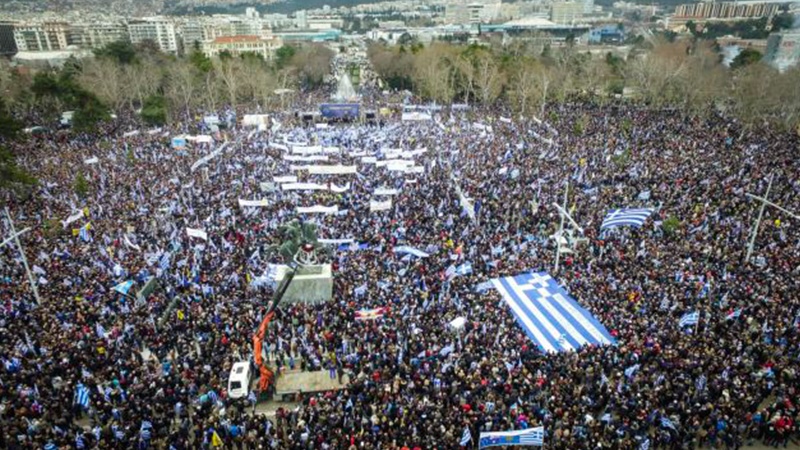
column 311, row 284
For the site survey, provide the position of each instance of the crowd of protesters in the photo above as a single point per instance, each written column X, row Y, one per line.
column 155, row 370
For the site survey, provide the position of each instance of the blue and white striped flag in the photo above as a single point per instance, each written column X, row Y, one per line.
column 529, row 437
column 633, row 217
column 666, row 423
column 360, row 290
column 82, row 396
column 79, row 442
column 631, row 371
column 84, row 234
column 50, row 446
column 164, row 261
column 645, row 444
column 124, row 287
column 466, row 436
column 545, row 311
column 689, row 319
column 485, row 286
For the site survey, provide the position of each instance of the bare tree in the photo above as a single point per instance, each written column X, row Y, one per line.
column 433, row 72
column 489, row 79
column 182, row 85
column 103, row 77
column 230, row 74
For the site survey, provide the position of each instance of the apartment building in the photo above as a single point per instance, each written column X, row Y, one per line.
column 236, row 45
column 41, row 37
column 727, row 10
column 159, row 30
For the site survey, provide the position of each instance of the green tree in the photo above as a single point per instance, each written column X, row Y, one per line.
column 121, row 51
column 745, row 58
column 200, row 61
column 89, row 113
column 11, row 175
column 9, row 127
column 81, row 185
column 783, row 21
column 671, row 225
column 154, row 110
column 283, row 56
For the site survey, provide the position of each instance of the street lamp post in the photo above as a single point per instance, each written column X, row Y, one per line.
column 15, row 237
column 764, row 202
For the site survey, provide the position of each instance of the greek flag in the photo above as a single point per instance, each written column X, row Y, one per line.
column 689, row 319
column 631, row 371
column 124, row 287
column 466, row 436
column 529, row 437
column 645, row 444
column 405, row 249
column 546, row 312
column 82, row 396
column 164, row 261
column 485, row 286
column 50, row 446
column 79, row 443
column 462, row 270
column 84, row 234
column 361, row 290
column 633, row 217
column 666, row 423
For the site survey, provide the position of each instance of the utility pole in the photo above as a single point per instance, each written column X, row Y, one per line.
column 15, row 236
column 754, row 233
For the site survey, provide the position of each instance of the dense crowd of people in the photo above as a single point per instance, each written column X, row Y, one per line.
column 155, row 370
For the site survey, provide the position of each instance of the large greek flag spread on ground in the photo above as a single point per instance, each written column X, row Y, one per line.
column 529, row 437
column 626, row 217
column 549, row 316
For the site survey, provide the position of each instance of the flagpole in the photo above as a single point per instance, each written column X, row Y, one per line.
column 754, row 233
column 15, row 235
column 561, row 230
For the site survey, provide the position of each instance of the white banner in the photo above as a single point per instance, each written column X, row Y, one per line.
column 416, row 116
column 317, row 209
column 395, row 162
column 298, row 158
column 92, row 160
column 254, row 120
column 304, row 187
column 285, row 179
column 386, row 191
column 369, row 160
column 203, row 139
column 359, row 153
column 193, row 232
column 260, row 203
column 267, row 187
column 154, row 131
column 131, row 133
column 380, row 206
column 77, row 215
column 297, row 168
column 340, row 189
column 330, row 150
column 279, row 146
column 335, row 241
column 332, row 170
column 208, row 157
column 307, row 150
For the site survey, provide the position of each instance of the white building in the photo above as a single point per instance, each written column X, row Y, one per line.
column 236, row 45
column 159, row 30
column 97, row 34
column 566, row 12
column 41, row 37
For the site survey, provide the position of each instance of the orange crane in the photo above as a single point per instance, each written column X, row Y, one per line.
column 266, row 376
